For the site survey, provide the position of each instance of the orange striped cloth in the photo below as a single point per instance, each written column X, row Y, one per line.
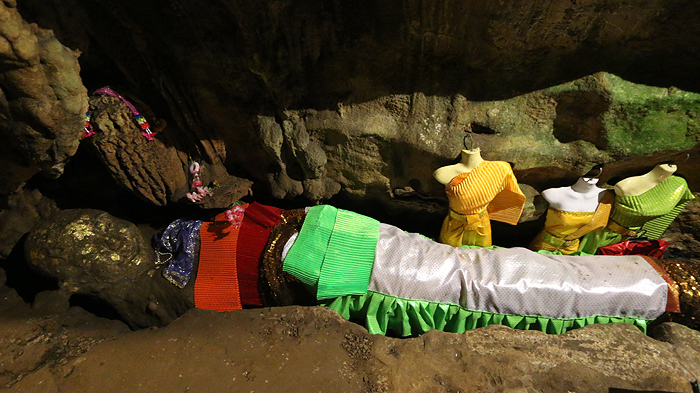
column 488, row 192
column 216, row 285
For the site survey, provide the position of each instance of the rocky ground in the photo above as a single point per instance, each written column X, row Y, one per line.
column 51, row 347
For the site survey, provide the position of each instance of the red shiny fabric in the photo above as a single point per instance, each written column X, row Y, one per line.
column 255, row 231
column 653, row 248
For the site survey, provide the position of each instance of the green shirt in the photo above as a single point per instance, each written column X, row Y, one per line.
column 653, row 210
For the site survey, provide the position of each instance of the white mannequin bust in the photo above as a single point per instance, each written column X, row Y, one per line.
column 583, row 196
column 470, row 160
column 638, row 185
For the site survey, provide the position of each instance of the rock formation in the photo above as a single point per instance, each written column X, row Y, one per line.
column 23, row 211
column 312, row 349
column 92, row 253
column 157, row 170
column 221, row 72
column 42, row 100
column 561, row 131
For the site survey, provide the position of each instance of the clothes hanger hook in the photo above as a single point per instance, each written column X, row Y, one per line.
column 687, row 157
column 471, row 140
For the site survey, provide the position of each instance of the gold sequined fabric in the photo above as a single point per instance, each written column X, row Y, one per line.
column 686, row 275
column 278, row 288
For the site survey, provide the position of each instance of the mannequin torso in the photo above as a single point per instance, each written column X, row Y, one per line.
column 470, row 160
column 573, row 212
column 583, row 196
column 637, row 185
column 478, row 191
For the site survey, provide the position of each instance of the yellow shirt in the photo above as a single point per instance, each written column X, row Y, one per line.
column 488, row 192
column 562, row 229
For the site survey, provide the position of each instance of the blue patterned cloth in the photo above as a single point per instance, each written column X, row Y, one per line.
column 180, row 239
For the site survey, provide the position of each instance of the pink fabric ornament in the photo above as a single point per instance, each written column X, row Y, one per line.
column 235, row 216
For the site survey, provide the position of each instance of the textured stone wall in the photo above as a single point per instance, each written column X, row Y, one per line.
column 42, row 100
column 394, row 143
column 215, row 67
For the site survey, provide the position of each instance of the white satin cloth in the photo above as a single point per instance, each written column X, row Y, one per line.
column 516, row 280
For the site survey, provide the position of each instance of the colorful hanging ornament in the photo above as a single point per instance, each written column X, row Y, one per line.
column 199, row 191
column 87, row 128
column 143, row 124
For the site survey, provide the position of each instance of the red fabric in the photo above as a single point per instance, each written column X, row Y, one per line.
column 216, row 286
column 255, row 231
column 653, row 248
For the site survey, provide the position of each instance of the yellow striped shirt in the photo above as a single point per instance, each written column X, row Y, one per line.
column 490, row 186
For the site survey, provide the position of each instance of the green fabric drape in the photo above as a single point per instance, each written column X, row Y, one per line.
column 334, row 252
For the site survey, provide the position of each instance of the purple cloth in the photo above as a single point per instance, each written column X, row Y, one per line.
column 180, row 239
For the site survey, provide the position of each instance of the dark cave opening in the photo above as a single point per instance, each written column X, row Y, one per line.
column 95, row 306
column 578, row 118
column 21, row 277
column 481, row 129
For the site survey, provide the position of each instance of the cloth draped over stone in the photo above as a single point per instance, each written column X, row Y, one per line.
column 179, row 238
column 409, row 284
column 227, row 275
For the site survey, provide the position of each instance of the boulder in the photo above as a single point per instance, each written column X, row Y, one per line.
column 158, row 170
column 685, row 341
column 23, row 209
column 91, row 253
column 42, row 101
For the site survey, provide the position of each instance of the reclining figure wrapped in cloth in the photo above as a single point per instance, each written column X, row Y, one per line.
column 406, row 284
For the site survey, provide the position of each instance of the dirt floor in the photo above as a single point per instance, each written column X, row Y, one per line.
column 51, row 347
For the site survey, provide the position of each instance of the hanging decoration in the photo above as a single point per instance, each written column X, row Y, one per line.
column 142, row 122
column 87, row 128
column 199, row 191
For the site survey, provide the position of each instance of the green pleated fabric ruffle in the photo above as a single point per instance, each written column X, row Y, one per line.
column 334, row 252
column 405, row 317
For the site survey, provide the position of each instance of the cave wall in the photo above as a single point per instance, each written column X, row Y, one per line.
column 42, row 101
column 310, row 100
column 286, row 54
column 213, row 67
